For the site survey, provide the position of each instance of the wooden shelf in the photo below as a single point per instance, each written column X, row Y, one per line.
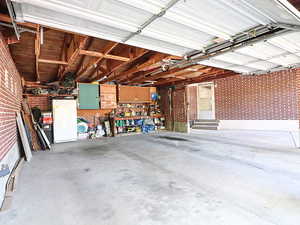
column 134, row 102
column 137, row 117
column 49, row 95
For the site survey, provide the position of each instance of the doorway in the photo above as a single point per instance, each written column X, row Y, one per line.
column 206, row 101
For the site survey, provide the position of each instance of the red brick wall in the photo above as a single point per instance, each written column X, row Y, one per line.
column 264, row 97
column 42, row 102
column 10, row 99
column 179, row 105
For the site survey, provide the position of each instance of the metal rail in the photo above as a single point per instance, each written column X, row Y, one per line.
column 153, row 18
column 20, row 29
column 12, row 16
column 247, row 38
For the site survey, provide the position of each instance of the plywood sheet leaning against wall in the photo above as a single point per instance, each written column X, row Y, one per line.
column 24, row 138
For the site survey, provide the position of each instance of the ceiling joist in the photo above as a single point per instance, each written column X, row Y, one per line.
column 102, row 55
column 93, row 65
column 80, row 43
column 151, row 61
column 37, row 52
column 110, row 75
column 49, row 61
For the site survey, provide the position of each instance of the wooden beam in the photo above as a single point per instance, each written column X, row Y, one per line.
column 178, row 76
column 109, row 75
column 6, row 18
column 105, row 56
column 210, row 78
column 63, row 56
column 204, row 78
column 130, row 73
column 94, row 63
column 169, row 72
column 156, row 76
column 167, row 81
column 83, row 42
column 37, row 49
column 49, row 61
column 174, row 57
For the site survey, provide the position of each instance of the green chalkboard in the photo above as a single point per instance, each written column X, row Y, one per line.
column 88, row 96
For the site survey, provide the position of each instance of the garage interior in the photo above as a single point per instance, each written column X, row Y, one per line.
column 149, row 112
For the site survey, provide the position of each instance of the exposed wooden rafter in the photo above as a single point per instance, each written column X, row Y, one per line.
column 6, row 18
column 114, row 62
column 37, row 49
column 157, row 57
column 102, row 55
column 94, row 64
column 78, row 43
column 49, row 61
column 202, row 78
column 112, row 77
column 63, row 56
column 144, row 77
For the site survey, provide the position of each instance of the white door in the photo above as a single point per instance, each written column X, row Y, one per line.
column 64, row 120
column 206, row 101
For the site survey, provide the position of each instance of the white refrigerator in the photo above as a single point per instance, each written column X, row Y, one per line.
column 64, row 120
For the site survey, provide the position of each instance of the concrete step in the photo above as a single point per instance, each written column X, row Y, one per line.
column 206, row 123
column 204, row 127
column 211, row 121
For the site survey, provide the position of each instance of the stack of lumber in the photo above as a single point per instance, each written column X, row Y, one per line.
column 36, row 136
column 30, row 123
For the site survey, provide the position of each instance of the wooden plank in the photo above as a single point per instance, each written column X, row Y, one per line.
column 101, row 55
column 200, row 79
column 52, row 61
column 164, row 74
column 133, row 94
column 24, row 138
column 37, row 51
column 63, row 57
column 6, row 18
column 108, row 96
column 130, row 73
column 34, row 138
column 122, row 65
column 94, row 63
column 11, row 185
column 83, row 42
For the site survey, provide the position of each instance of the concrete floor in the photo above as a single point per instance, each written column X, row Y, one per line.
column 209, row 178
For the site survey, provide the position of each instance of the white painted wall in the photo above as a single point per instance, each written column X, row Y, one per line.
column 11, row 158
column 280, row 125
column 291, row 126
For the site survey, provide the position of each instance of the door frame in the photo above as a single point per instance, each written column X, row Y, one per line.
column 213, row 102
